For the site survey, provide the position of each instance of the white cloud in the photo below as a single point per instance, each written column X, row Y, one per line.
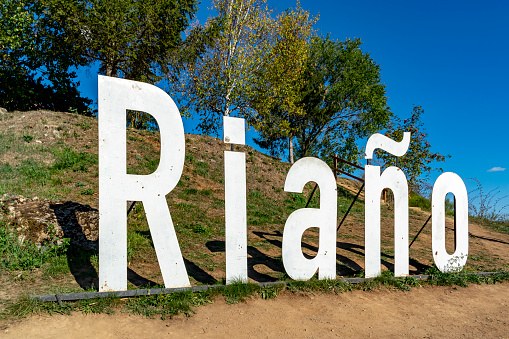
column 496, row 169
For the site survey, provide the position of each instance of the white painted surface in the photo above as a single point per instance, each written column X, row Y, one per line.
column 395, row 179
column 296, row 265
column 378, row 140
column 116, row 186
column 449, row 183
column 235, row 216
column 234, row 130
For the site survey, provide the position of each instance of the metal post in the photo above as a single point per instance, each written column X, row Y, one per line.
column 419, row 231
column 335, row 166
column 454, row 230
column 311, row 195
column 131, row 207
column 349, row 208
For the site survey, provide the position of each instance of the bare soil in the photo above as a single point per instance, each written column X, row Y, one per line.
column 478, row 311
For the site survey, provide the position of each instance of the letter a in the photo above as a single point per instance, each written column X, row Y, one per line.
column 116, row 186
column 296, row 265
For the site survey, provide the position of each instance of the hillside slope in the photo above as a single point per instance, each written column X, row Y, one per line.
column 49, row 183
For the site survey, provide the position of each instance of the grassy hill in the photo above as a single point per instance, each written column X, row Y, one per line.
column 50, row 159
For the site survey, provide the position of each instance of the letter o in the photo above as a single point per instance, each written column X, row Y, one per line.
column 449, row 183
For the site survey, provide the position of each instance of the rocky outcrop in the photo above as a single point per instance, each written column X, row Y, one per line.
column 43, row 221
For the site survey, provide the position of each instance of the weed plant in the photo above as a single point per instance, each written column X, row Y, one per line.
column 488, row 206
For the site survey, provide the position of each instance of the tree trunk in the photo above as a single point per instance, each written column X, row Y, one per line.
column 290, row 149
column 111, row 70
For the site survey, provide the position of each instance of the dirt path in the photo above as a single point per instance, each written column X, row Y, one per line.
column 479, row 311
column 496, row 243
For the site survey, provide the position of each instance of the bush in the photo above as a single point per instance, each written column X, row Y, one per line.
column 418, row 201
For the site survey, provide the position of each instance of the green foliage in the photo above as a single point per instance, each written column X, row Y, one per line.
column 200, row 228
column 418, row 201
column 136, row 244
column 165, row 305
column 446, row 279
column 33, row 172
column 190, row 190
column 387, row 279
column 341, row 97
column 41, row 41
column 270, row 292
column 17, row 255
column 214, row 79
column 129, row 38
column 416, row 161
column 280, row 80
column 35, row 70
column 26, row 306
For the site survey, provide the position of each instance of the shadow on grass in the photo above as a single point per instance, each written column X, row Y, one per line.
column 192, row 269
column 255, row 257
column 83, row 252
column 344, row 265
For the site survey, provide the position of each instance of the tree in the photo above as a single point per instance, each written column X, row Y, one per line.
column 341, row 97
column 416, row 162
column 217, row 83
column 278, row 86
column 129, row 38
column 34, row 72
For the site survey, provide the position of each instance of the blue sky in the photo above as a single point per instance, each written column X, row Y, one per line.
column 450, row 57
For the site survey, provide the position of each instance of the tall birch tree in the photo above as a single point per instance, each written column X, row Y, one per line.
column 218, row 82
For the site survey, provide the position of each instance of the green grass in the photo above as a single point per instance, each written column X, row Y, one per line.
column 27, row 138
column 167, row 305
column 18, row 256
column 39, row 178
column 87, row 191
column 68, row 159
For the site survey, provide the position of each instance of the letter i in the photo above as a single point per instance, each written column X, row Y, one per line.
column 235, row 202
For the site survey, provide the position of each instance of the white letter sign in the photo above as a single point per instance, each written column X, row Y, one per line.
column 235, row 202
column 449, row 183
column 296, row 265
column 395, row 179
column 116, row 186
